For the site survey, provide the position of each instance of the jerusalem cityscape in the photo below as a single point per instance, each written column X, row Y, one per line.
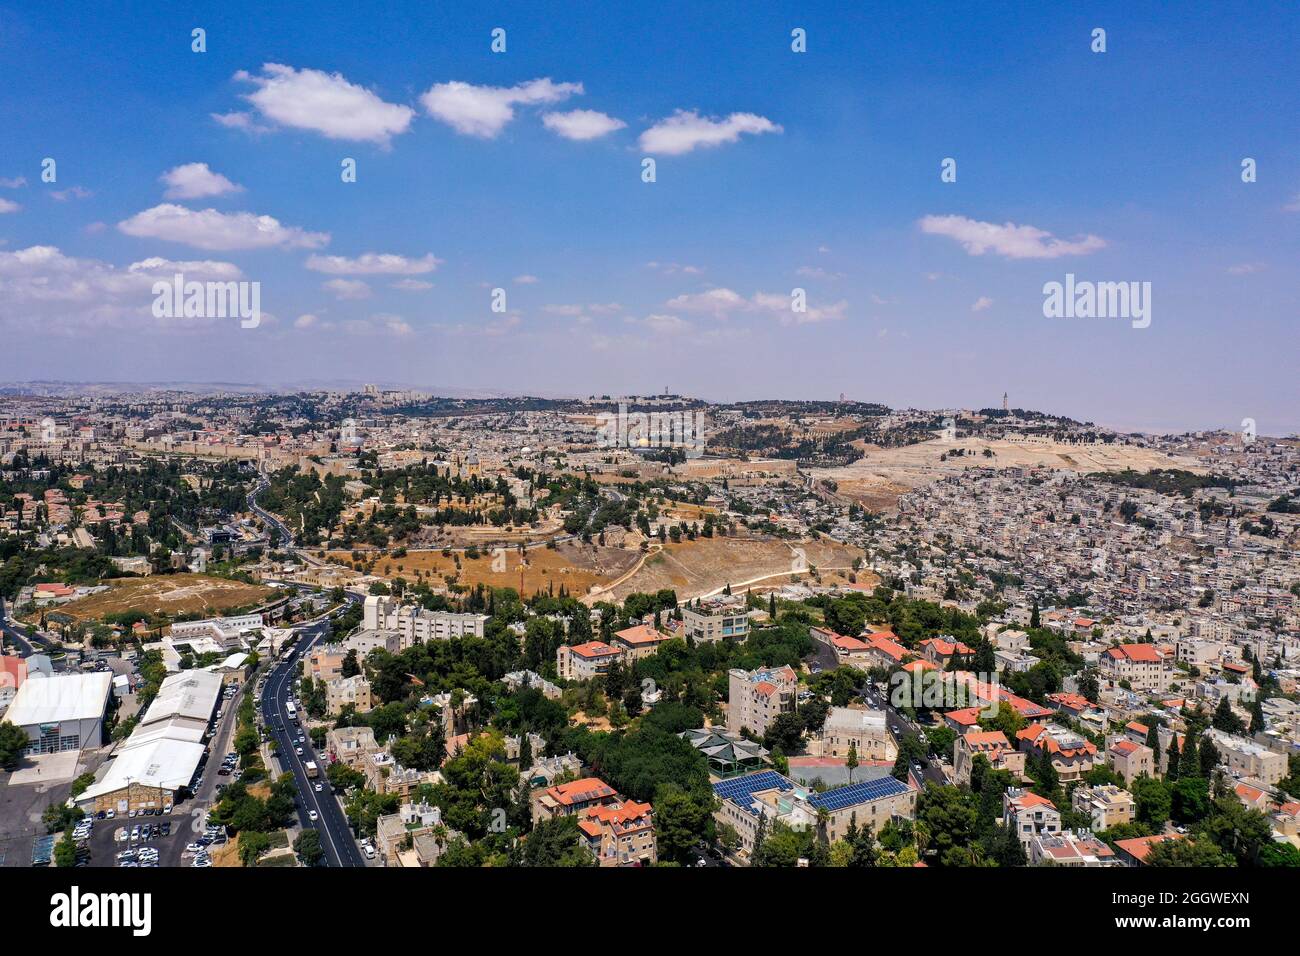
column 664, row 439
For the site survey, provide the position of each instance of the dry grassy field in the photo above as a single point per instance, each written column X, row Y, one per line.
column 169, row 594
column 883, row 474
column 705, row 565
column 574, row 565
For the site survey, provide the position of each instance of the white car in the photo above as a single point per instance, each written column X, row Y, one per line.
column 298, row 750
column 313, row 815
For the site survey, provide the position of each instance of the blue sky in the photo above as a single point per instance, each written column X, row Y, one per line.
column 780, row 171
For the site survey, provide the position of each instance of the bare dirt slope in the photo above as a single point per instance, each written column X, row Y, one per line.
column 169, row 594
column 883, row 474
column 705, row 565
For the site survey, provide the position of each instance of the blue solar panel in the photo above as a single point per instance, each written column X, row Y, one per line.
column 842, row 798
column 740, row 790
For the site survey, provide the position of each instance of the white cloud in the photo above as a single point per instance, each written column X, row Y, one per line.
column 395, row 324
column 525, row 280
column 306, row 321
column 687, row 129
column 722, row 303
column 72, row 192
column 240, row 121
column 672, row 268
column 324, row 103
column 1246, row 268
column 666, row 324
column 210, row 229
column 781, row 306
column 411, row 285
column 1294, row 204
column 194, row 181
column 484, row 111
column 715, row 301
column 347, row 288
column 581, row 124
column 1008, row 240
column 373, row 263
column 980, row 304
column 817, row 272
column 158, row 267
column 8, row 205
column 60, row 294
column 16, row 182
column 583, row 312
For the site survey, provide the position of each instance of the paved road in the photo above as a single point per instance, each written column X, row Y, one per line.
column 336, row 835
column 26, row 644
column 931, row 769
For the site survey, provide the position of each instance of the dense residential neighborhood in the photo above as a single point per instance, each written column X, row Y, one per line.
column 466, row 634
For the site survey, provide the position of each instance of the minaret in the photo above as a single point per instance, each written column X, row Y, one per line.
column 1004, row 401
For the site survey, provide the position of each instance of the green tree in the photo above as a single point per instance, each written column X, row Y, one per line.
column 555, row 842
column 682, row 820
column 1225, row 718
column 1153, row 801
column 1188, row 852
column 307, row 846
column 1172, row 754
column 13, row 740
column 252, row 845
column 65, row 851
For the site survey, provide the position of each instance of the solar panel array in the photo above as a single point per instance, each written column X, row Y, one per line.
column 842, row 798
column 741, row 789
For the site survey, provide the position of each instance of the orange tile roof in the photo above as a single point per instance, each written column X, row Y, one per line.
column 1139, row 847
column 581, row 791
column 1143, row 653
column 642, row 634
column 593, row 649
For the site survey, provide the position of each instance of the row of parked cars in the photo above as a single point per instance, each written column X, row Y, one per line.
column 138, row 856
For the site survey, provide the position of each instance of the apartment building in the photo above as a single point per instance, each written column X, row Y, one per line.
column 619, row 834
column 1143, row 666
column 585, row 661
column 1131, row 760
column 756, row 697
column 417, row 624
column 568, row 799
column 1074, row 848
column 1071, row 755
column 638, row 641
column 344, row 691
column 940, row 652
column 995, row 747
column 325, row 661
column 1028, row 815
column 1246, row 758
column 1107, row 805
column 353, row 746
column 716, row 620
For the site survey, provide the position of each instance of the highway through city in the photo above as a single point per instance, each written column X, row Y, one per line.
column 336, row 835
